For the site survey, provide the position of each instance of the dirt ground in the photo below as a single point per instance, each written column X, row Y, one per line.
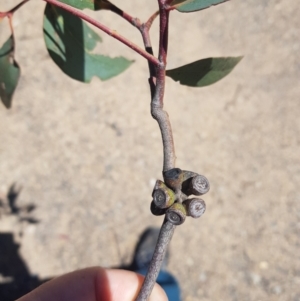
column 84, row 158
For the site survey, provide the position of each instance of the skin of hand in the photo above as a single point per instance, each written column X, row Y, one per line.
column 94, row 284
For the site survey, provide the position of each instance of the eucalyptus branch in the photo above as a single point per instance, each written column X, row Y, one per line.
column 157, row 86
column 110, row 6
column 148, row 24
column 171, row 197
column 164, row 238
column 144, row 29
column 132, row 20
column 157, row 103
column 107, row 30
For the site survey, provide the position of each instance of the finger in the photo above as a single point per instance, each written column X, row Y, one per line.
column 124, row 285
column 94, row 284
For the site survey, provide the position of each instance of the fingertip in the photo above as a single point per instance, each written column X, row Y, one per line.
column 125, row 286
column 158, row 294
column 94, row 284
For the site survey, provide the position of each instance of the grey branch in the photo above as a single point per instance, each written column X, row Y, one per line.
column 165, row 236
column 162, row 118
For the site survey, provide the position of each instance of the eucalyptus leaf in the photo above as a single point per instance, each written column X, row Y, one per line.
column 204, row 72
column 90, row 4
column 71, row 44
column 9, row 72
column 186, row 6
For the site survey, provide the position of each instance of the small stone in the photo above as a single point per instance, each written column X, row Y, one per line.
column 277, row 290
column 256, row 279
column 152, row 182
column 263, row 265
column 202, row 277
column 189, row 261
column 30, row 229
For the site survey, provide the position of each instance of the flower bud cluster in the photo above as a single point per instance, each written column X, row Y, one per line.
column 171, row 196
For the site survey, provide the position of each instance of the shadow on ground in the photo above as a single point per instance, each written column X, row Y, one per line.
column 15, row 278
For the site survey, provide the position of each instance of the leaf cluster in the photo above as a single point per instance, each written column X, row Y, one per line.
column 71, row 44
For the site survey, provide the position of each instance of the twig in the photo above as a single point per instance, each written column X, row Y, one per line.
column 107, row 30
column 157, row 86
column 136, row 22
column 12, row 32
column 157, row 111
column 148, row 24
column 144, row 29
column 133, row 21
column 165, row 236
column 162, row 118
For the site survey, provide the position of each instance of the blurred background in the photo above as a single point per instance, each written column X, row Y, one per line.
column 78, row 162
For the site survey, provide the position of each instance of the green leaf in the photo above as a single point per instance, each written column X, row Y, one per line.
column 90, row 4
column 9, row 72
column 186, row 6
column 204, row 72
column 71, row 43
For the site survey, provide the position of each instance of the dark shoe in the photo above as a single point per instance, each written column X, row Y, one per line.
column 145, row 248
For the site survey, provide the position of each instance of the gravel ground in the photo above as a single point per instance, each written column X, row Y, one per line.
column 87, row 156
